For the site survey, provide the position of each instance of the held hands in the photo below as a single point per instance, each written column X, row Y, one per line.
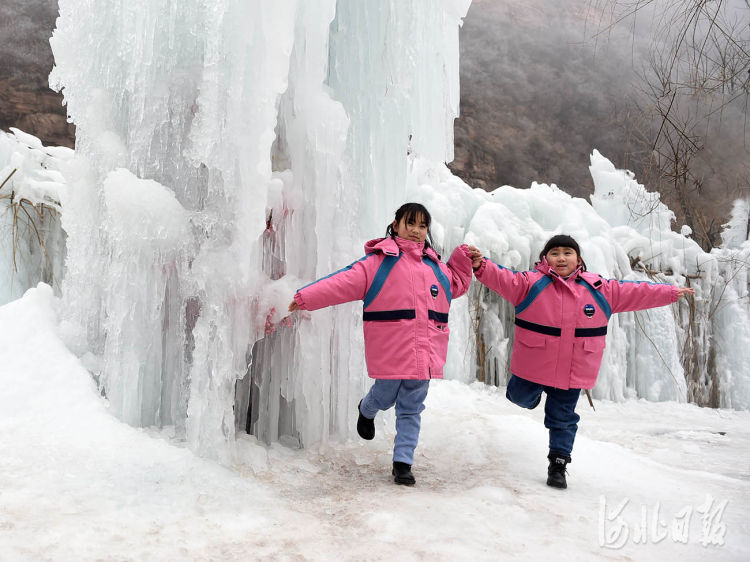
column 684, row 291
column 293, row 306
column 476, row 257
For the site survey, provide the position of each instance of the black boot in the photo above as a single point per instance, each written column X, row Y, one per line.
column 556, row 470
column 402, row 474
column 365, row 426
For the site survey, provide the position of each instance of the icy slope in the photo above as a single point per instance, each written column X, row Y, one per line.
column 76, row 484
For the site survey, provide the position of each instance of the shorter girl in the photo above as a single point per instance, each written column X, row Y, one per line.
column 407, row 292
column 561, row 323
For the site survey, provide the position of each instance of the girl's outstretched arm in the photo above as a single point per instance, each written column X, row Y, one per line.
column 625, row 296
column 509, row 284
column 460, row 266
column 345, row 285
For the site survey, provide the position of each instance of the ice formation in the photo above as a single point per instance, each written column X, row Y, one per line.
column 228, row 152
column 281, row 132
column 32, row 242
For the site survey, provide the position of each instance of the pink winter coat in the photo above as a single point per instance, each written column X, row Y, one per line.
column 561, row 323
column 407, row 292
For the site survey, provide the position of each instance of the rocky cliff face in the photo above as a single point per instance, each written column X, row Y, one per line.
column 26, row 102
column 36, row 110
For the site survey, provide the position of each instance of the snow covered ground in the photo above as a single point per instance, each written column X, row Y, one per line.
column 649, row 481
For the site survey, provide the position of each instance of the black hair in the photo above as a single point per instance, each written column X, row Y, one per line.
column 562, row 241
column 410, row 212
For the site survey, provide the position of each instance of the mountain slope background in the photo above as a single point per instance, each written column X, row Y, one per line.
column 545, row 82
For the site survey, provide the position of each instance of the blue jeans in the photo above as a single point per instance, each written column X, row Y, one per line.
column 408, row 395
column 560, row 416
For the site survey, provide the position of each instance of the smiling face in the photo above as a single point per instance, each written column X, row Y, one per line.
column 414, row 229
column 563, row 260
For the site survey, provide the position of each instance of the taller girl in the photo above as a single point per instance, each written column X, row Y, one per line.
column 561, row 322
column 406, row 292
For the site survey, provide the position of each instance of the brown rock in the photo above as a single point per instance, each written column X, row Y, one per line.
column 35, row 110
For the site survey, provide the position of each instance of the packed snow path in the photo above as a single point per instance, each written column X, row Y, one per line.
column 76, row 484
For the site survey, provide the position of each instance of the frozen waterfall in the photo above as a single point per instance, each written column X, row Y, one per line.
column 229, row 152
column 225, row 152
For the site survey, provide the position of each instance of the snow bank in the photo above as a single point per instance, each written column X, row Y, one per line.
column 649, row 481
column 80, row 485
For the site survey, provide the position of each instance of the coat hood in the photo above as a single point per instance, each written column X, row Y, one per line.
column 392, row 246
column 545, row 268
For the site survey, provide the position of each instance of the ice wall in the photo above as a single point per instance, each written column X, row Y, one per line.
column 693, row 350
column 226, row 152
column 184, row 95
column 511, row 226
column 229, row 152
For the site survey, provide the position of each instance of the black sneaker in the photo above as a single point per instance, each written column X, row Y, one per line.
column 402, row 474
column 556, row 471
column 365, row 426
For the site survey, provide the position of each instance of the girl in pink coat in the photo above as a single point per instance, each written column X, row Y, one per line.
column 406, row 292
column 561, row 323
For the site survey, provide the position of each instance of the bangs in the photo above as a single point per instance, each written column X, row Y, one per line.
column 416, row 212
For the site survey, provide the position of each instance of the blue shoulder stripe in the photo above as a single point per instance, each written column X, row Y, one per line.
column 533, row 293
column 347, row 268
column 623, row 281
column 509, row 269
column 379, row 280
column 598, row 297
column 441, row 277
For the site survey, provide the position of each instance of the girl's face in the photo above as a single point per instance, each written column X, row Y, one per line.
column 563, row 260
column 414, row 229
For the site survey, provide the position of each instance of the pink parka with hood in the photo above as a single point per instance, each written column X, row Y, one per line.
column 561, row 324
column 407, row 292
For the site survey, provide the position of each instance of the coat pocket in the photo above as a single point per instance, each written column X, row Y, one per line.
column 534, row 355
column 531, row 339
column 389, row 347
column 593, row 345
column 587, row 358
column 439, row 335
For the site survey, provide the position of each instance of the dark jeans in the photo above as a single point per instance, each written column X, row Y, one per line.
column 559, row 411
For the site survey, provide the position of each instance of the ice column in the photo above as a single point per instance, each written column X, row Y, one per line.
column 394, row 67
column 184, row 94
column 731, row 313
column 228, row 152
